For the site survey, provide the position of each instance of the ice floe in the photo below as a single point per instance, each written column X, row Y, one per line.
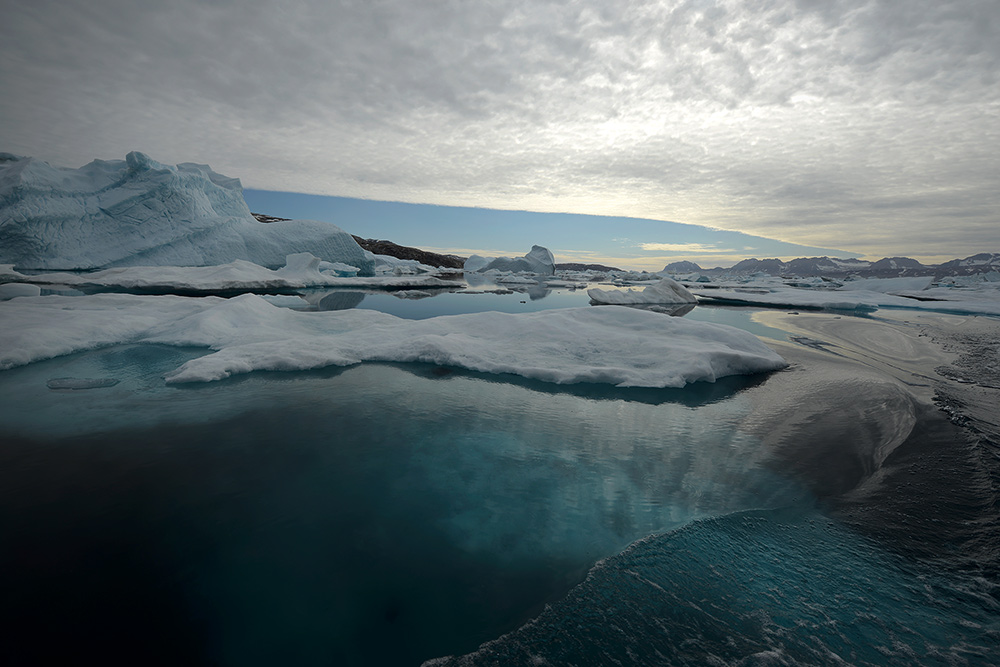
column 619, row 346
column 301, row 270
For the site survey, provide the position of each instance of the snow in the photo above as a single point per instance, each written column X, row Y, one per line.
column 138, row 212
column 538, row 261
column 664, row 291
column 620, row 346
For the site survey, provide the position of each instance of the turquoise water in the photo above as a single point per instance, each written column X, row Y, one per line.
column 393, row 514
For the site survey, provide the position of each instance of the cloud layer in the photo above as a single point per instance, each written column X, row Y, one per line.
column 870, row 125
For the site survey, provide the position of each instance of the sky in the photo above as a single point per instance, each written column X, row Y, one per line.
column 619, row 242
column 866, row 126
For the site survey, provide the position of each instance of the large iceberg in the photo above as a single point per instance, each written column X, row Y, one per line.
column 539, row 260
column 138, row 212
column 665, row 291
column 619, row 346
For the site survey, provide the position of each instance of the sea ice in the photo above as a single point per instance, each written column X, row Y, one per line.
column 619, row 346
column 138, row 212
column 300, row 270
column 889, row 285
column 977, row 302
column 664, row 291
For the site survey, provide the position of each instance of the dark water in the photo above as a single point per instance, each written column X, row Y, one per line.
column 388, row 515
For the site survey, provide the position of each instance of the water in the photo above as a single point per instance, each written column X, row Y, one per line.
column 392, row 514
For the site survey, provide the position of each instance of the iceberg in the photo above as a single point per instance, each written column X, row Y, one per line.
column 663, row 292
column 138, row 212
column 539, row 260
column 625, row 347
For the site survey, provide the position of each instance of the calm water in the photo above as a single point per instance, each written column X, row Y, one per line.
column 392, row 514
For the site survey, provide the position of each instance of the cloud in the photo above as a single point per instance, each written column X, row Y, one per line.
column 869, row 122
column 687, row 248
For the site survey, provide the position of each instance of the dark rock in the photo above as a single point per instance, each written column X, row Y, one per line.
column 380, row 247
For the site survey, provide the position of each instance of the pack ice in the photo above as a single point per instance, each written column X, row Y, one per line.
column 138, row 212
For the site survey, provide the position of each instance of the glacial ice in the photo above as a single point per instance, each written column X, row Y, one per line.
column 138, row 212
column 619, row 346
column 539, row 261
column 662, row 292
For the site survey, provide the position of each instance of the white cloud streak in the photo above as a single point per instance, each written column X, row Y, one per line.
column 870, row 125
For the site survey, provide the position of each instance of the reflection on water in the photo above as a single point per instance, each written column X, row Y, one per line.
column 335, row 299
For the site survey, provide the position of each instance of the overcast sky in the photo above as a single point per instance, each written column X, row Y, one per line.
column 871, row 126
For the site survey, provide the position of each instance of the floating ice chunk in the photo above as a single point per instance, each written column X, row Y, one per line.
column 14, row 290
column 664, row 291
column 138, row 212
column 620, row 346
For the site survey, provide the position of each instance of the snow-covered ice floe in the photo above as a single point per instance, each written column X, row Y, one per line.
column 661, row 292
column 301, row 270
column 619, row 346
column 138, row 212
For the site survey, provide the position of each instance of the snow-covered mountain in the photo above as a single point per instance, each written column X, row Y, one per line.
column 887, row 267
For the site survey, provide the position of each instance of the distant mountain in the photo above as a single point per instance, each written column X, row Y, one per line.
column 887, row 267
column 981, row 263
